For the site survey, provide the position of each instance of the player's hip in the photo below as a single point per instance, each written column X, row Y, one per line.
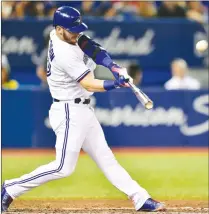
column 77, row 114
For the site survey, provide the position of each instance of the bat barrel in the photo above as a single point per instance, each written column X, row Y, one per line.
column 142, row 97
column 149, row 105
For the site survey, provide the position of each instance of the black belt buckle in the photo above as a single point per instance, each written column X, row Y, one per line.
column 86, row 101
column 78, row 100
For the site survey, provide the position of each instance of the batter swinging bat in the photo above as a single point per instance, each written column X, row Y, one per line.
column 101, row 57
column 141, row 96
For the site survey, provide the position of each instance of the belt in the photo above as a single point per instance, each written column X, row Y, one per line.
column 77, row 100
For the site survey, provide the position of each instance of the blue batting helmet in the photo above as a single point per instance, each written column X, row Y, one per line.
column 70, row 19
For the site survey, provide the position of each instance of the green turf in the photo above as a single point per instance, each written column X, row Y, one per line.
column 166, row 176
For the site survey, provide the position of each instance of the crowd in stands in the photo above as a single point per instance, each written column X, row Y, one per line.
column 195, row 10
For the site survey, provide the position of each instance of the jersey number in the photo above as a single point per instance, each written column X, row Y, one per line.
column 51, row 56
column 48, row 70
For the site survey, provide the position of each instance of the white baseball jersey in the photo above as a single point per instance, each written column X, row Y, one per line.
column 66, row 66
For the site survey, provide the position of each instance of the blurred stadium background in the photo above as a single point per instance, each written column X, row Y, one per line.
column 156, row 41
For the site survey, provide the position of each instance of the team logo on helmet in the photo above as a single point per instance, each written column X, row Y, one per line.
column 78, row 21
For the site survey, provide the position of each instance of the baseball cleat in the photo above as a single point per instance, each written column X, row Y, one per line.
column 6, row 199
column 151, row 205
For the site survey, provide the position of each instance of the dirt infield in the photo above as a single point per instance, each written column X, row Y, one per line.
column 137, row 150
column 99, row 206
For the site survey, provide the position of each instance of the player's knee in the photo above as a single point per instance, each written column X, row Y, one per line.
column 107, row 158
column 66, row 171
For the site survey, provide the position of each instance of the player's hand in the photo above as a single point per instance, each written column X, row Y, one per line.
column 121, row 82
column 124, row 75
column 121, row 75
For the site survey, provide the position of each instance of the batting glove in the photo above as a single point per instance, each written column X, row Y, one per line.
column 121, row 75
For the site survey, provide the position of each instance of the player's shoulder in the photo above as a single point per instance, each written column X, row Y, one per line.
column 67, row 51
column 63, row 47
column 74, row 50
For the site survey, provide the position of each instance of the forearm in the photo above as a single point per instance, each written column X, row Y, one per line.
column 95, row 86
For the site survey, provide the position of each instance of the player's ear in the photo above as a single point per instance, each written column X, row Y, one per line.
column 59, row 30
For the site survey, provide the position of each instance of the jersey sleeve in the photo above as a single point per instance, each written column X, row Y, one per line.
column 76, row 68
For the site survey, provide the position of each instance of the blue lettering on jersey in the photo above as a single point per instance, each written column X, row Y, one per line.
column 51, row 51
column 51, row 57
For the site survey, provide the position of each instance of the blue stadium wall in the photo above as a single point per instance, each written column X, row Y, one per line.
column 179, row 118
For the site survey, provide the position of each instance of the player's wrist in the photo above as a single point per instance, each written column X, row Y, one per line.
column 110, row 84
column 115, row 69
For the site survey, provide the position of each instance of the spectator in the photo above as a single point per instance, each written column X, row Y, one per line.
column 34, row 9
column 94, row 8
column 146, row 9
column 41, row 65
column 5, row 68
column 135, row 72
column 50, row 8
column 29, row 9
column 5, row 74
column 20, row 9
column 87, row 8
column 180, row 79
column 197, row 11
column 122, row 8
column 113, row 10
column 8, row 9
column 169, row 9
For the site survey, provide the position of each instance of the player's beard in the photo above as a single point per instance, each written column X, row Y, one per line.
column 71, row 39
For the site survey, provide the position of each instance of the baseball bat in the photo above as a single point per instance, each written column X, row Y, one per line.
column 141, row 96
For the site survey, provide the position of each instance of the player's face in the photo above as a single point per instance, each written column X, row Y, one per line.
column 66, row 36
column 70, row 37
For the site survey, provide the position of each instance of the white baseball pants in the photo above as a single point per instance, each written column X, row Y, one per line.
column 76, row 127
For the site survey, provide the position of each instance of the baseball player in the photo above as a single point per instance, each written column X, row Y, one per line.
column 71, row 83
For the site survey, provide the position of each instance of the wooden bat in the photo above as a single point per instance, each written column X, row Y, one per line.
column 141, row 96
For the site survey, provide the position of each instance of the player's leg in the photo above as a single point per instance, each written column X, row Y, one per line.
column 96, row 146
column 68, row 144
column 60, row 168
